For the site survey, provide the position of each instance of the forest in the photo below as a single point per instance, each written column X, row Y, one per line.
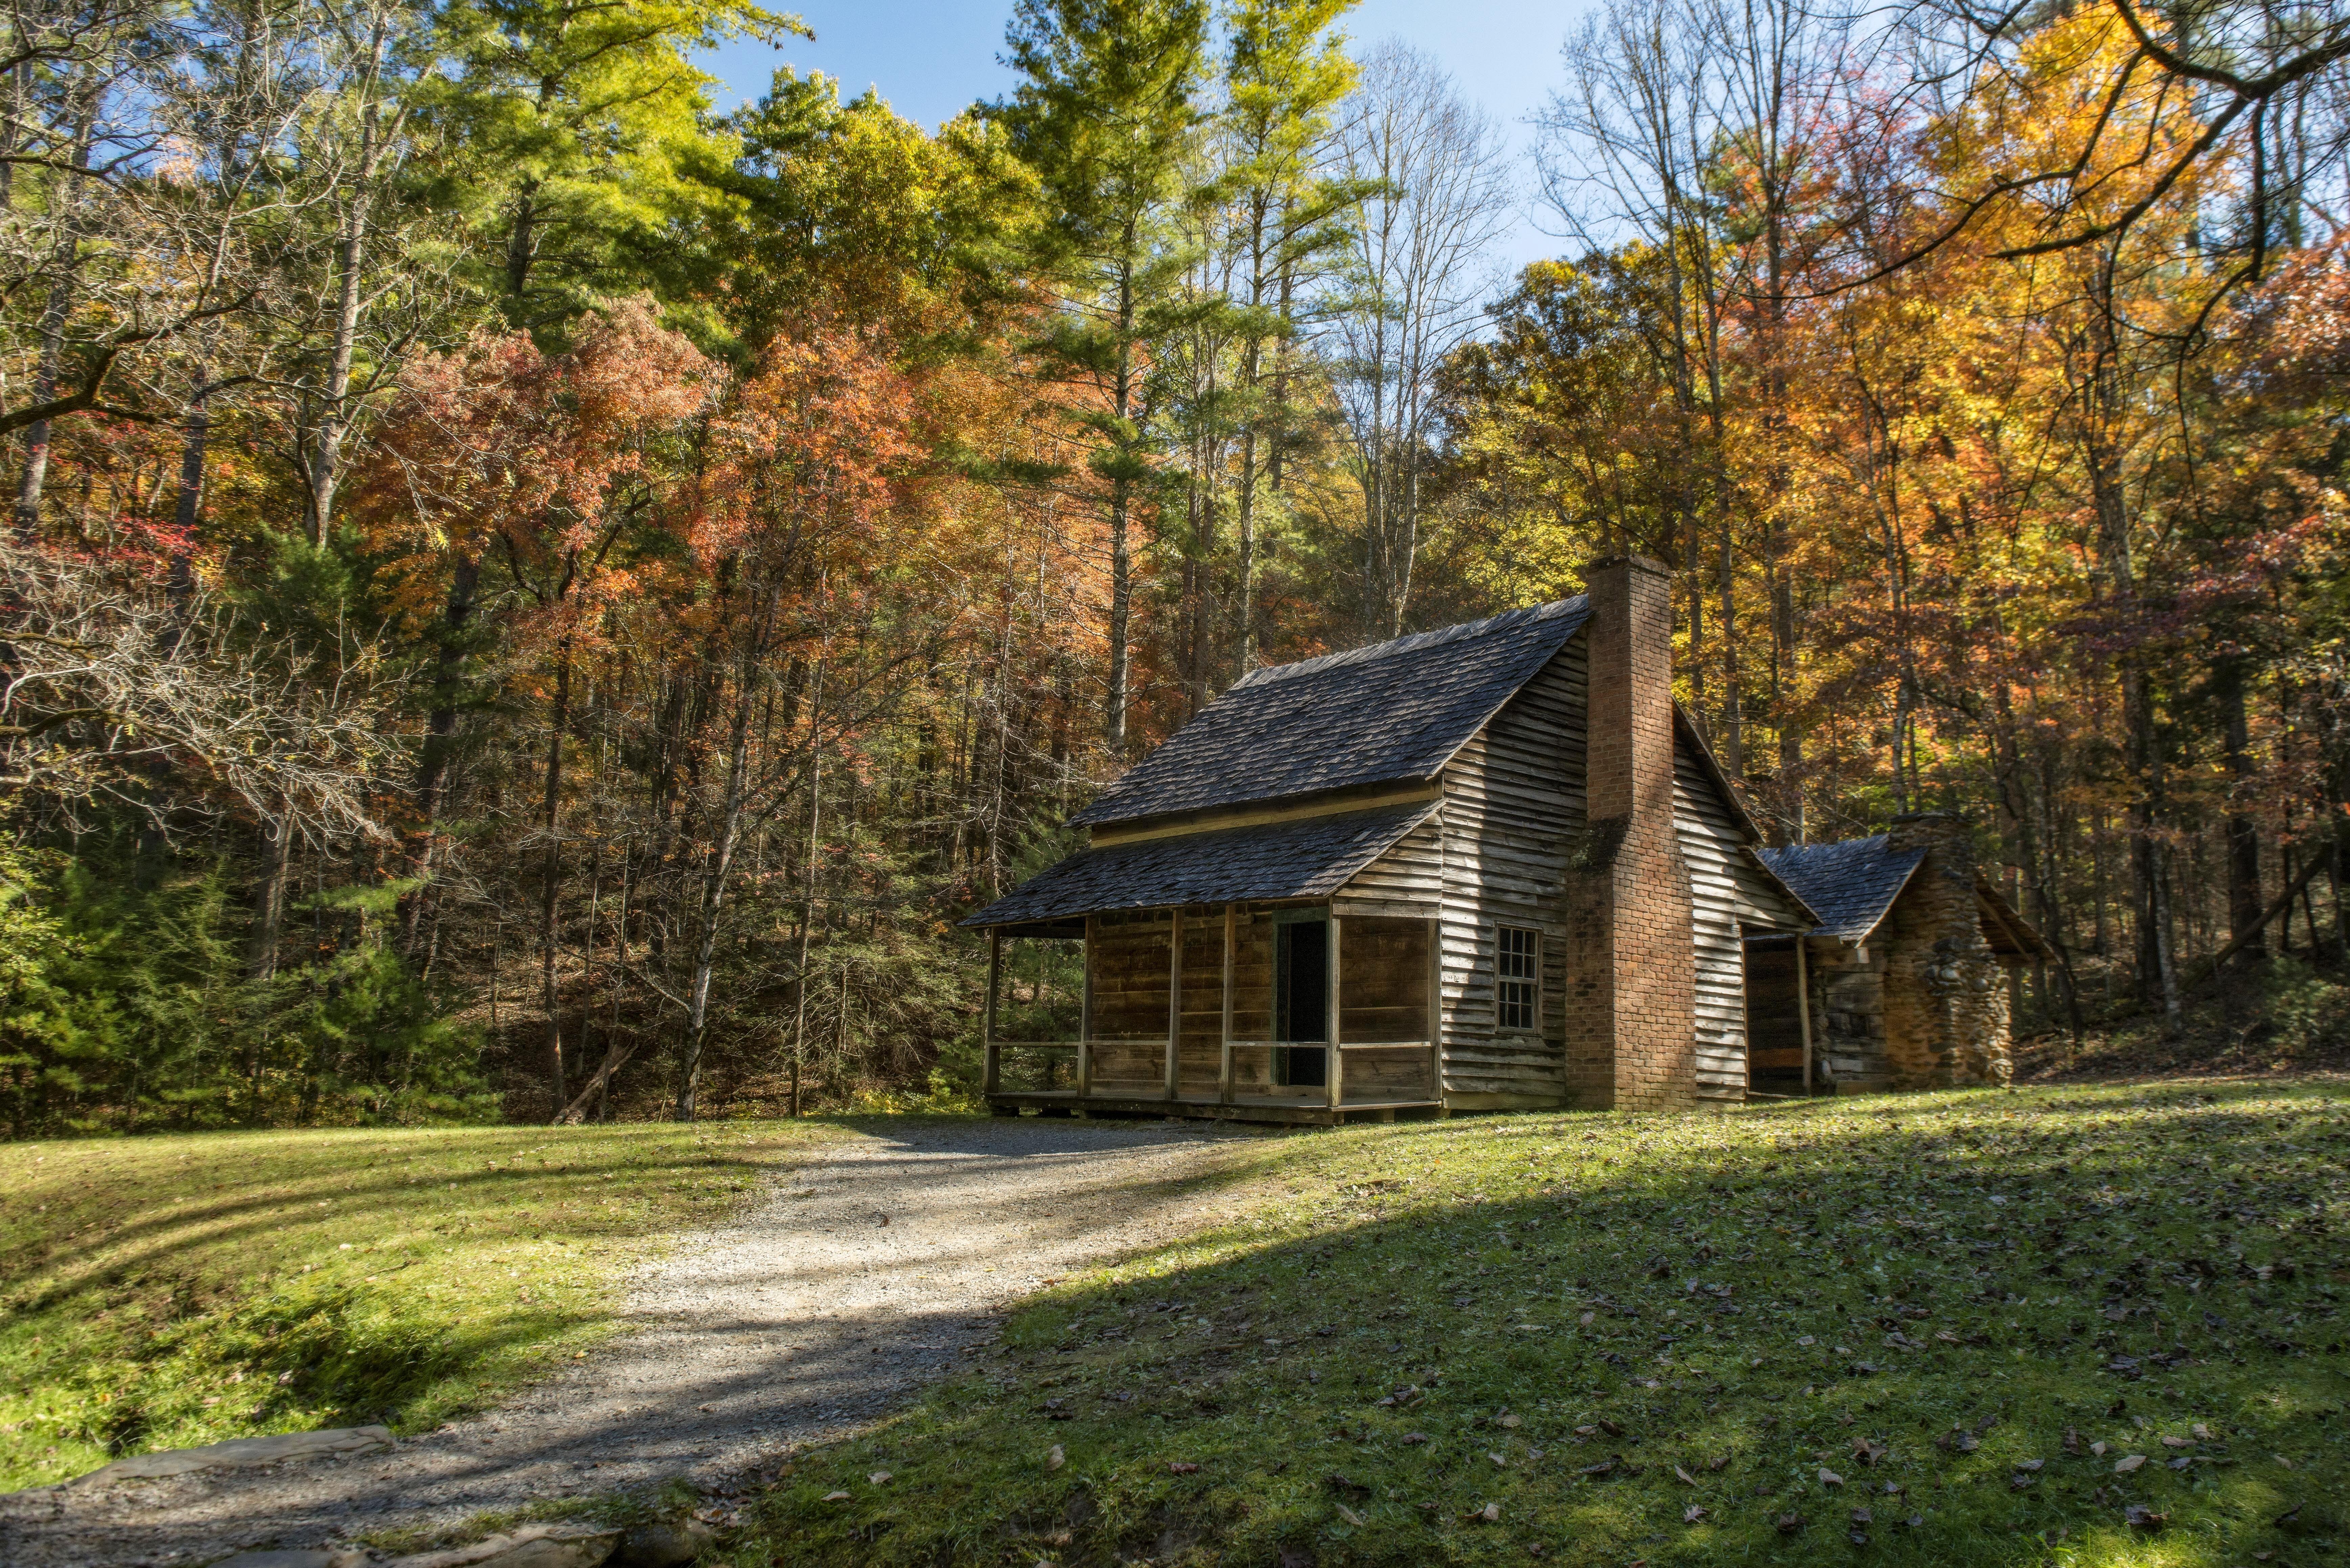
column 528, row 596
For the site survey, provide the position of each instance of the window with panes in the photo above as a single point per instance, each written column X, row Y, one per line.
column 1517, row 958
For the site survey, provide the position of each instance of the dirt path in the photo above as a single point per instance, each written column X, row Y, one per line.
column 805, row 1318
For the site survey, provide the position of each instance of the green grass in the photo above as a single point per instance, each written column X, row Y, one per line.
column 160, row 1292
column 1598, row 1325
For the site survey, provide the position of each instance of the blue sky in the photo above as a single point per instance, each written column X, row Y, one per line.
column 931, row 58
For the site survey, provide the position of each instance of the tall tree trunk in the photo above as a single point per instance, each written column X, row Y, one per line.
column 326, row 455
column 66, row 256
column 194, row 433
column 440, row 734
column 807, row 894
column 522, row 250
column 1121, row 555
column 551, row 868
column 269, row 901
column 721, row 860
column 34, row 475
column 2244, row 900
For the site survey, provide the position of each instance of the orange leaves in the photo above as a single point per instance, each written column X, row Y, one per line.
column 538, row 464
column 812, row 449
column 503, row 433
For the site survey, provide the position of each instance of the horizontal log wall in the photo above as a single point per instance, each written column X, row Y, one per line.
column 1513, row 808
column 1383, row 995
column 1729, row 896
column 1128, row 966
column 1848, row 1016
column 1775, row 1030
column 1711, row 846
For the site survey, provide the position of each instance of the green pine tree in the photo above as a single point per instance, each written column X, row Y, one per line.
column 1105, row 118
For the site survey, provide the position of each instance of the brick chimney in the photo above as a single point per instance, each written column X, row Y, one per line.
column 1631, row 1020
column 1946, row 1006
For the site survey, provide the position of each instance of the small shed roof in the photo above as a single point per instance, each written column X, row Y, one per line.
column 2010, row 934
column 1309, row 857
column 1393, row 713
column 1849, row 885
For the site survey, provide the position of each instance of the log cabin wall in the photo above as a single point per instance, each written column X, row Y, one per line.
column 1204, row 998
column 1728, row 892
column 1774, row 1017
column 1202, row 1052
column 1383, row 995
column 1513, row 805
column 1848, row 1048
column 1128, row 961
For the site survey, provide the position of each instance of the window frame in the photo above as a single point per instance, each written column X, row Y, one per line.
column 1505, row 983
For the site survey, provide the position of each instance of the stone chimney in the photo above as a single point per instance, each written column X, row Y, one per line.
column 1945, row 1017
column 1631, row 1020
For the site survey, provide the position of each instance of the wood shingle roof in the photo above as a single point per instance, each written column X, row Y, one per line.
column 1391, row 713
column 1309, row 857
column 1849, row 885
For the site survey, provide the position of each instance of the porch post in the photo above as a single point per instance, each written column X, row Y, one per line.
column 1086, row 1021
column 1436, row 1010
column 1335, row 1090
column 1225, row 1056
column 1803, row 1005
column 1174, row 1002
column 991, row 1054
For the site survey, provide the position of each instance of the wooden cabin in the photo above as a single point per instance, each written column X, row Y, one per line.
column 1489, row 867
column 1909, row 978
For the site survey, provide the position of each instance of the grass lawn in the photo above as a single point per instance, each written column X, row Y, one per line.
column 158, row 1292
column 2067, row 1327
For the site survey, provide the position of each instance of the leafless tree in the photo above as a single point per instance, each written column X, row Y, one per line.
column 115, row 686
column 1419, row 276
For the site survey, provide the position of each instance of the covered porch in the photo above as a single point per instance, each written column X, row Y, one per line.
column 1280, row 1011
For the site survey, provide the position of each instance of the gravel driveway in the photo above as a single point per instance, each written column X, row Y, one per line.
column 852, row 1280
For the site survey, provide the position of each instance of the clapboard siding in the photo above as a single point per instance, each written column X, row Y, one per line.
column 1711, row 847
column 1513, row 805
column 1729, row 895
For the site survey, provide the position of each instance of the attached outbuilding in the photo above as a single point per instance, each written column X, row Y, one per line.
column 1908, row 979
column 1488, row 867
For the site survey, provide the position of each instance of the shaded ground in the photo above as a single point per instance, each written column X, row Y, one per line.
column 2092, row 1327
column 860, row 1276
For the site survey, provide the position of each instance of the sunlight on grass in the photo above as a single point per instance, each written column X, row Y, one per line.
column 165, row 1292
column 1913, row 1330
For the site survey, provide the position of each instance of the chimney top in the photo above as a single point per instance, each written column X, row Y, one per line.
column 1637, row 563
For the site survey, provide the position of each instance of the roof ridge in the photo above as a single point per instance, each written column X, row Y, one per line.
column 1881, row 840
column 1506, row 621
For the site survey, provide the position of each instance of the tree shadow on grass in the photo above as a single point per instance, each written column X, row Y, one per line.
column 1893, row 1330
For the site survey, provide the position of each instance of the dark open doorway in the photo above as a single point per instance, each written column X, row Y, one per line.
column 1775, row 1028
column 1302, row 971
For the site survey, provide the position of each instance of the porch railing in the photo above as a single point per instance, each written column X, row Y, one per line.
column 1083, row 1085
